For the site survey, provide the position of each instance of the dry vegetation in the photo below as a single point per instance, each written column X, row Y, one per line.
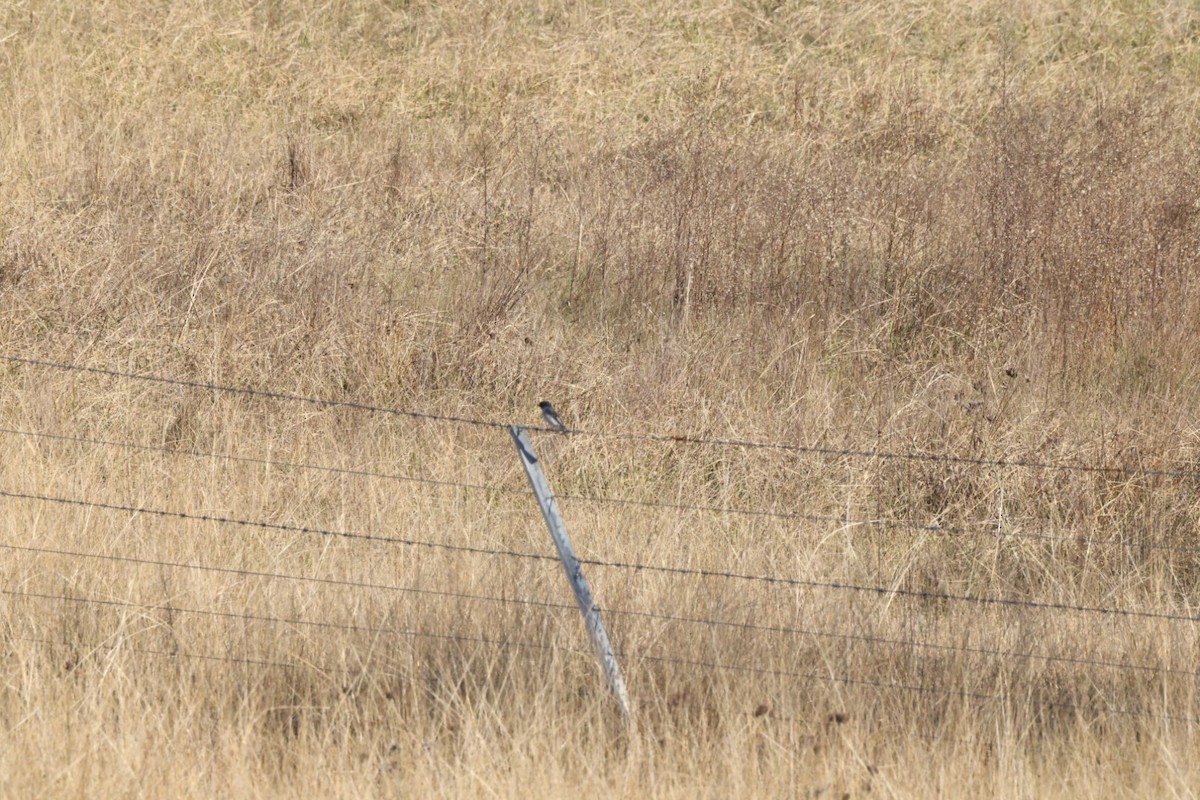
column 940, row 227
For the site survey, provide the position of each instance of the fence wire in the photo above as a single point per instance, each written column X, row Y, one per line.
column 982, row 529
column 636, row 655
column 704, row 622
column 777, row 580
column 631, row 656
column 687, row 439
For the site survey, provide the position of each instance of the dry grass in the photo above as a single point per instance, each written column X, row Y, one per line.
column 964, row 228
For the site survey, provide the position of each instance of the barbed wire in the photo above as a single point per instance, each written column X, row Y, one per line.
column 890, row 590
column 908, row 643
column 173, row 653
column 250, row 573
column 249, row 392
column 615, row 611
column 907, row 687
column 885, row 455
column 882, row 455
column 268, row 462
column 980, row 529
column 776, row 514
column 506, row 643
column 186, row 452
column 989, row 529
column 276, row 526
column 738, row 443
column 92, row 646
column 769, row 513
column 246, row 617
column 632, row 566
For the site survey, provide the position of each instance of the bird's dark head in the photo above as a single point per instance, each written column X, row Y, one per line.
column 544, row 405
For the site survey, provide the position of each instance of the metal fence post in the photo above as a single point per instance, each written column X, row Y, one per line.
column 566, row 554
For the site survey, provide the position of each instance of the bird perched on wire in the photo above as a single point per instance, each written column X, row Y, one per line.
column 551, row 416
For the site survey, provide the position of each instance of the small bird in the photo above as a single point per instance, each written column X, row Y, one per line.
column 551, row 417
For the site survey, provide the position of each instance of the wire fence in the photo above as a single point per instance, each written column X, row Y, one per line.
column 848, row 638
column 501, row 643
column 706, row 622
column 978, row 529
column 848, row 452
column 634, row 566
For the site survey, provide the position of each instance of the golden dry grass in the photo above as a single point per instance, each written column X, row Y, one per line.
column 966, row 228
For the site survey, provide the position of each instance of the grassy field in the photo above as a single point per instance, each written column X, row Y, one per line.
column 966, row 229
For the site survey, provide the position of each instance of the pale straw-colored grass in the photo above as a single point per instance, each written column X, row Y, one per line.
column 965, row 228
